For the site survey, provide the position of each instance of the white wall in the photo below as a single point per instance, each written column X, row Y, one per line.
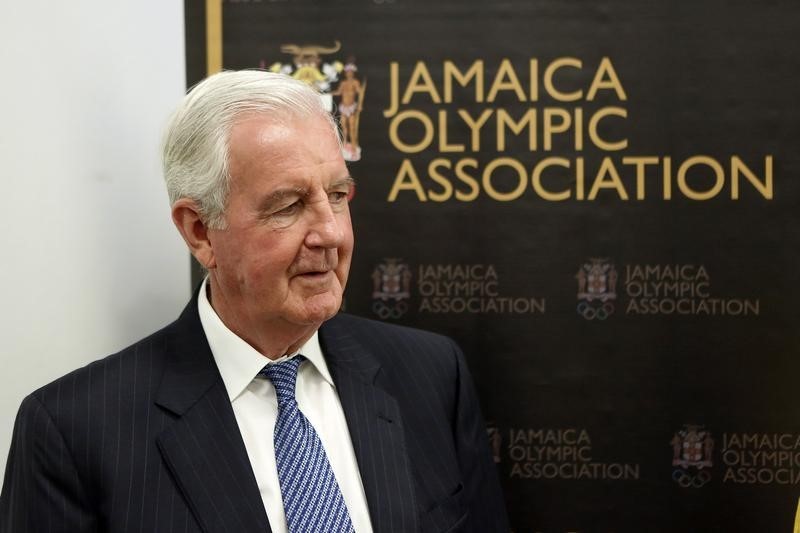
column 90, row 259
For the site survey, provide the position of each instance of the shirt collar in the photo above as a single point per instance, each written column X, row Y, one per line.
column 237, row 361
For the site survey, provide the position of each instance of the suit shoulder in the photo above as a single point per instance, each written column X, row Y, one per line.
column 392, row 343
column 142, row 359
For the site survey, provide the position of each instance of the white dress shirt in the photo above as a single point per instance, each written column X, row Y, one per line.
column 256, row 409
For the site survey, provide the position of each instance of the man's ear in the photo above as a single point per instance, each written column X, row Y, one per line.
column 186, row 216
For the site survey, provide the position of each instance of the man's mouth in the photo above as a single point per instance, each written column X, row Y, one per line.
column 315, row 270
column 315, row 273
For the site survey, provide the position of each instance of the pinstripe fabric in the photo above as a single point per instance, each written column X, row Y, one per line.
column 416, row 427
column 146, row 440
column 142, row 441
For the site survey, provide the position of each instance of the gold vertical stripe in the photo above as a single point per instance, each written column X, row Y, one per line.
column 797, row 518
column 213, row 36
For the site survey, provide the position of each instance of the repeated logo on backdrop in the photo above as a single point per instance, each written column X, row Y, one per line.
column 643, row 290
column 761, row 458
column 654, row 290
column 597, row 289
column 391, row 288
column 445, row 288
column 559, row 453
column 692, row 451
column 696, row 459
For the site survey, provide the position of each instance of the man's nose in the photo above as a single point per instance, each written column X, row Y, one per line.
column 326, row 229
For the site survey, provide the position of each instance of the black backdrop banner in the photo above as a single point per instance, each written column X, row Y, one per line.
column 599, row 202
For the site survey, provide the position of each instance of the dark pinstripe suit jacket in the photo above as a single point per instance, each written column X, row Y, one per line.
column 146, row 440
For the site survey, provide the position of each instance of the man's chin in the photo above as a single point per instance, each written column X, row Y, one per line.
column 318, row 309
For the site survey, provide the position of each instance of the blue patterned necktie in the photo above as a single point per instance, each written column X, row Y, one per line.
column 312, row 500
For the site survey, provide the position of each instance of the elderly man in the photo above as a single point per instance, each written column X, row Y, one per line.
column 260, row 408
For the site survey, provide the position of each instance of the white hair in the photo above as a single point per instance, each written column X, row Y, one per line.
column 195, row 148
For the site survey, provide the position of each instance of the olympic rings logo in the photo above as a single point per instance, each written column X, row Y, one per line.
column 389, row 311
column 685, row 479
column 595, row 313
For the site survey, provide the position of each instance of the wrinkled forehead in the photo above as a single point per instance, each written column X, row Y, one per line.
column 272, row 150
column 290, row 119
column 320, row 126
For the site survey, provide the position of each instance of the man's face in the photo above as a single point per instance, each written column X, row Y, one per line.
column 282, row 261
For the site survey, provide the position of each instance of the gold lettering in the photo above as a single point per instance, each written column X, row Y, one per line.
column 537, row 179
column 762, row 186
column 447, row 187
column 407, row 180
column 607, row 168
column 595, row 136
column 504, row 119
column 522, row 176
column 505, row 80
column 606, row 78
column 395, row 137
column 534, row 79
column 450, row 72
column 466, row 178
column 421, row 82
column 475, row 126
column 443, row 145
column 550, row 71
column 640, row 163
column 550, row 127
column 719, row 177
column 666, row 164
column 394, row 89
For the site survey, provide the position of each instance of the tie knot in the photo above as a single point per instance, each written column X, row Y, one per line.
column 283, row 376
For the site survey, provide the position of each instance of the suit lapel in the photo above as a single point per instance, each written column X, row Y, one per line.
column 376, row 430
column 203, row 448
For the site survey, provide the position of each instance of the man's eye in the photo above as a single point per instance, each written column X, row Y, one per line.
column 338, row 197
column 288, row 210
